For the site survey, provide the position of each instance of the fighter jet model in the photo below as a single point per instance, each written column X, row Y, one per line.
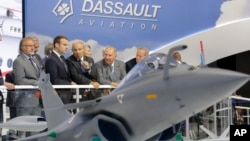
column 155, row 95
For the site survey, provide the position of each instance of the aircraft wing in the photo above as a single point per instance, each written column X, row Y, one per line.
column 25, row 123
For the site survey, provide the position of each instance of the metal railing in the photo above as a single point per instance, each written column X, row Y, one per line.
column 223, row 111
column 77, row 87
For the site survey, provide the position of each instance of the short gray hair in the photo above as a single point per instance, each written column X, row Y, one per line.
column 49, row 46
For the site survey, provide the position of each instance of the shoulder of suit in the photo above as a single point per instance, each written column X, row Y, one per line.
column 71, row 58
column 52, row 57
column 37, row 55
column 119, row 62
column 100, row 62
column 20, row 57
column 131, row 61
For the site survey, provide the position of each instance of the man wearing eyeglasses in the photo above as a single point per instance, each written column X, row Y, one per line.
column 26, row 69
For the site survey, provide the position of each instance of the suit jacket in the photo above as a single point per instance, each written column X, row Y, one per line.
column 92, row 71
column 40, row 60
column 1, row 78
column 103, row 76
column 89, row 60
column 10, row 93
column 76, row 73
column 25, row 74
column 130, row 64
column 24, row 71
column 59, row 75
column 56, row 68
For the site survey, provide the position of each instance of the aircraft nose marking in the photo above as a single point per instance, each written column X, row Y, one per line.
column 151, row 96
column 120, row 98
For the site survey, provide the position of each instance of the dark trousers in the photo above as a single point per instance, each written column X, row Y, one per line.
column 65, row 95
column 1, row 106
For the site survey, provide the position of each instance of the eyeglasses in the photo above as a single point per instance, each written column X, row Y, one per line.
column 28, row 45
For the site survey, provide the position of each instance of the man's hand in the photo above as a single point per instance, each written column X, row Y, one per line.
column 114, row 84
column 73, row 83
column 95, row 84
column 86, row 65
column 9, row 86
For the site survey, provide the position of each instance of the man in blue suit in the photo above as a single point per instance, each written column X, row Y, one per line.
column 57, row 67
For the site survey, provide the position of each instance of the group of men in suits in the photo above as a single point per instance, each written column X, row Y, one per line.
column 79, row 68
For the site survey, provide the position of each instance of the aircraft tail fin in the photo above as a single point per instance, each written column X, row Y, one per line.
column 51, row 100
column 202, row 54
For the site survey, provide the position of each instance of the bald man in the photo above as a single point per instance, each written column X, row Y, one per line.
column 110, row 71
column 141, row 53
column 80, row 67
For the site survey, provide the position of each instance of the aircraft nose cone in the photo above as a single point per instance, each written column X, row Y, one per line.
column 233, row 75
column 212, row 85
column 226, row 80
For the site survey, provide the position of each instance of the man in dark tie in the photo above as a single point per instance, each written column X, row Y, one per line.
column 26, row 101
column 32, row 61
column 26, row 72
column 58, row 69
column 36, row 48
column 80, row 69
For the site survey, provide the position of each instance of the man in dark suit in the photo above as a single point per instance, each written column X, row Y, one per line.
column 141, row 53
column 79, row 68
column 57, row 67
column 110, row 71
column 11, row 95
column 27, row 70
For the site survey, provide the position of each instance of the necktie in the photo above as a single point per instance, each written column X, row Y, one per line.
column 110, row 69
column 34, row 65
column 81, row 66
column 64, row 62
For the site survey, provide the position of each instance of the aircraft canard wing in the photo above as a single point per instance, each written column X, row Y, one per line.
column 39, row 137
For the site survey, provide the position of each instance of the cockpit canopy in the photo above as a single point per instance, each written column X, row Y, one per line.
column 154, row 62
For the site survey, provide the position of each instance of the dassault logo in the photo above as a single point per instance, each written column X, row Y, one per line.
column 120, row 9
column 121, row 14
column 63, row 9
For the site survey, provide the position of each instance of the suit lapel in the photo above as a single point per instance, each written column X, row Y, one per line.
column 29, row 65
